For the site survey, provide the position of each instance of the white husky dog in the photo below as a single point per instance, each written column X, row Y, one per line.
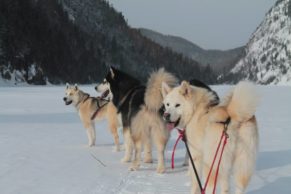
column 192, row 108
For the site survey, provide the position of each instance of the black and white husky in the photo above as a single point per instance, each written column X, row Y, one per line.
column 139, row 106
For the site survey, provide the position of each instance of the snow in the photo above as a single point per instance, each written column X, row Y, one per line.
column 17, row 79
column 32, row 70
column 272, row 42
column 43, row 149
column 12, row 82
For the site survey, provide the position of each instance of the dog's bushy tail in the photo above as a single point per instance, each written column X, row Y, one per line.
column 242, row 101
column 153, row 94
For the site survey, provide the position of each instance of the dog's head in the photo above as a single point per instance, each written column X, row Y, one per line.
column 177, row 103
column 104, row 89
column 108, row 84
column 71, row 94
column 119, row 83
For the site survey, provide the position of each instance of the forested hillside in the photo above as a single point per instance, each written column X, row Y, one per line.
column 61, row 41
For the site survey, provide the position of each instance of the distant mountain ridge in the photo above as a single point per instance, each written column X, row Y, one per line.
column 60, row 41
column 268, row 52
column 217, row 59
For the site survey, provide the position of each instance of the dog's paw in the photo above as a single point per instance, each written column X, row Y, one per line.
column 91, row 145
column 224, row 192
column 161, row 169
column 122, row 147
column 148, row 160
column 134, row 167
column 125, row 160
column 185, row 164
column 116, row 149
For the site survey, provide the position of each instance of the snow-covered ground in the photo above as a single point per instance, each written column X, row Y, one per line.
column 43, row 149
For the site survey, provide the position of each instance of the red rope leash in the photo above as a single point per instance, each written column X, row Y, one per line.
column 214, row 159
column 225, row 136
column 181, row 135
column 223, row 139
column 218, row 165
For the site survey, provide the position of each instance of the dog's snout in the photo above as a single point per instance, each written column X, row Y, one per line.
column 167, row 116
column 96, row 88
column 65, row 99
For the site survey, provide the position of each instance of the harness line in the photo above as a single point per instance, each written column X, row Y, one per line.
column 128, row 93
column 102, row 97
column 222, row 141
column 98, row 109
column 184, row 139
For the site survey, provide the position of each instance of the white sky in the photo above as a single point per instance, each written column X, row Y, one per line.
column 211, row 24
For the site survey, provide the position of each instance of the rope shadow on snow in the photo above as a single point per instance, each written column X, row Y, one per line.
column 169, row 170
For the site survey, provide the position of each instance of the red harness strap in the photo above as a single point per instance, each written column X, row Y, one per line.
column 218, row 165
column 181, row 135
column 223, row 139
column 95, row 113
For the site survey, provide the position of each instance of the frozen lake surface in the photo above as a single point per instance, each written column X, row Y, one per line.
column 43, row 149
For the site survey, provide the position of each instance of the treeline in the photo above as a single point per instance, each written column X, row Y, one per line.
column 39, row 32
column 42, row 33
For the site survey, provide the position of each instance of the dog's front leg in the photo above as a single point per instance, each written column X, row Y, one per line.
column 148, row 149
column 198, row 165
column 160, row 142
column 137, row 154
column 91, row 135
column 113, row 128
column 127, row 144
column 224, row 182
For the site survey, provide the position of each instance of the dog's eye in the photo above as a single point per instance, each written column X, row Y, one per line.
column 177, row 105
column 168, row 104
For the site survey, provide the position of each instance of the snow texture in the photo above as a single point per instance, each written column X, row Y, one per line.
column 43, row 149
column 268, row 53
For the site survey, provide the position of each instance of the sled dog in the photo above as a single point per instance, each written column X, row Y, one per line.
column 197, row 110
column 140, row 108
column 91, row 109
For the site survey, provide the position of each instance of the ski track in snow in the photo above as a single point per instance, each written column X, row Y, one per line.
column 43, row 149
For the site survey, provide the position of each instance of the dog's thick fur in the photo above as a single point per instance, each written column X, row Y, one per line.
column 86, row 107
column 191, row 107
column 140, row 110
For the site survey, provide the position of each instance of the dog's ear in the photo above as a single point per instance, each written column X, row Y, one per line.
column 76, row 87
column 165, row 89
column 185, row 89
column 112, row 70
column 67, row 85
